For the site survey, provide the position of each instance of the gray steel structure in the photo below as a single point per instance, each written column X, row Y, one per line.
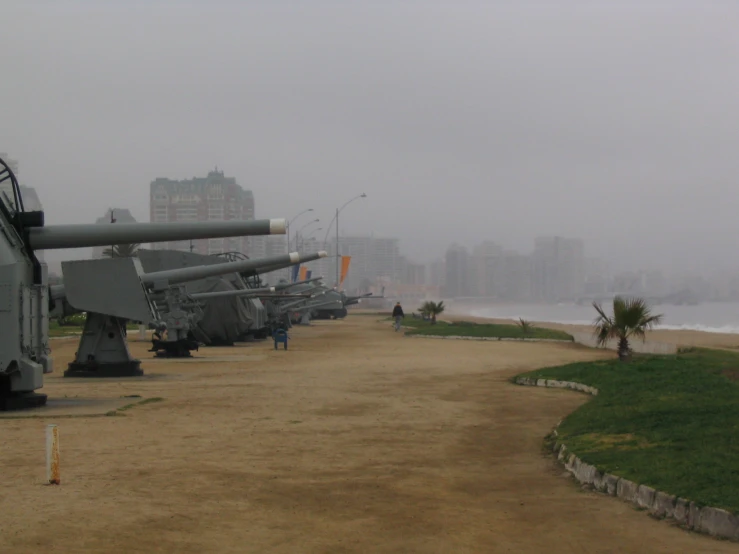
column 147, row 297
column 226, row 318
column 25, row 299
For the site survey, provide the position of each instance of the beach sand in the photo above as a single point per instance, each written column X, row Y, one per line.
column 356, row 439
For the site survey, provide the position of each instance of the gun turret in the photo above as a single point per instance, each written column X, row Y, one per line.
column 24, row 290
column 146, row 297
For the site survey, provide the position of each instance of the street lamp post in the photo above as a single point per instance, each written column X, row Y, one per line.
column 336, row 217
column 303, row 227
column 290, row 223
column 303, row 238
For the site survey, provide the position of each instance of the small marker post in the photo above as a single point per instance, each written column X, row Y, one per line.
column 52, row 455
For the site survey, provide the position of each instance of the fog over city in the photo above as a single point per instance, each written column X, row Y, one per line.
column 614, row 122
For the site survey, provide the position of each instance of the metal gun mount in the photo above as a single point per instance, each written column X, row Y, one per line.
column 151, row 298
column 225, row 321
column 24, row 291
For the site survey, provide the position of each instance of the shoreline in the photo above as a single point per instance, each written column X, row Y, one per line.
column 679, row 337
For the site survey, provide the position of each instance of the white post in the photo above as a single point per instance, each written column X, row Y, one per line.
column 52, row 455
column 142, row 332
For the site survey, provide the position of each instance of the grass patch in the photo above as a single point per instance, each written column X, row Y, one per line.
column 669, row 422
column 480, row 330
column 141, row 403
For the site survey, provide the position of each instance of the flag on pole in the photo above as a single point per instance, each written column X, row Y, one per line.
column 296, row 268
column 301, row 275
column 344, row 269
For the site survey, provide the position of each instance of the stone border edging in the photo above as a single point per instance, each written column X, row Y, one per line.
column 462, row 337
column 711, row 521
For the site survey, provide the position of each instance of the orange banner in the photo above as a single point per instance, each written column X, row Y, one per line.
column 303, row 274
column 344, row 269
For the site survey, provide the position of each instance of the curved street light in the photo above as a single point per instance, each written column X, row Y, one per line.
column 290, row 223
column 336, row 218
column 303, row 227
column 311, row 236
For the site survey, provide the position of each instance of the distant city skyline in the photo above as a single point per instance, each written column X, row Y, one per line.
column 554, row 268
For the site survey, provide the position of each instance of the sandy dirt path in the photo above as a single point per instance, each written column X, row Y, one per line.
column 354, row 440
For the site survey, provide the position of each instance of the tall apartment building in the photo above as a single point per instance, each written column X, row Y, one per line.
column 507, row 276
column 120, row 215
column 413, row 274
column 558, row 268
column 458, row 272
column 372, row 258
column 436, row 273
column 481, row 265
column 212, row 198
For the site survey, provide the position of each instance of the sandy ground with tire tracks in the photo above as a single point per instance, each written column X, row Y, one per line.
column 354, row 440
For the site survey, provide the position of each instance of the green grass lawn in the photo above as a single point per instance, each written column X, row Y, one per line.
column 669, row 422
column 488, row 330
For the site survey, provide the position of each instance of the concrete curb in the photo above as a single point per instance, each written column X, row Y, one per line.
column 704, row 519
column 496, row 339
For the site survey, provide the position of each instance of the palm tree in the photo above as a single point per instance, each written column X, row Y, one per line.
column 631, row 318
column 432, row 309
column 121, row 251
column 526, row 326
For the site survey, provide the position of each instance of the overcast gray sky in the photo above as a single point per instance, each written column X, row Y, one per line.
column 613, row 121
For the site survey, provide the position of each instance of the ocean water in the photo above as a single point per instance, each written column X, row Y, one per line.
column 710, row 317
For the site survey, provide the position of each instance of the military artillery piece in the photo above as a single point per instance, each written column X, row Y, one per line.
column 230, row 311
column 335, row 311
column 158, row 299
column 24, row 292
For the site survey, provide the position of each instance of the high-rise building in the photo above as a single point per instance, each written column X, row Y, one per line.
column 212, row 198
column 458, row 274
column 558, row 268
column 507, row 276
column 413, row 274
column 372, row 258
column 436, row 273
column 481, row 264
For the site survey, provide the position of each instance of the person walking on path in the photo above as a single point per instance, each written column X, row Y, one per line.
column 398, row 315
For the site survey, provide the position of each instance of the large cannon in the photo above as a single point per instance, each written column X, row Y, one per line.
column 226, row 319
column 24, row 291
column 151, row 298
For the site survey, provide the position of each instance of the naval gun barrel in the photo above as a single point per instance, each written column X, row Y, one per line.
column 351, row 300
column 290, row 305
column 311, row 290
column 185, row 274
column 281, row 296
column 85, row 235
column 227, row 293
column 284, row 286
